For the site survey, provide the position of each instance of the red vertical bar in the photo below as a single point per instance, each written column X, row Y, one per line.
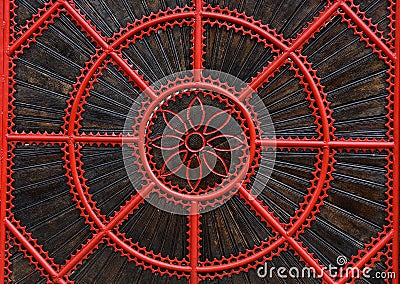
column 194, row 217
column 5, row 24
column 198, row 40
column 396, row 150
column 194, row 231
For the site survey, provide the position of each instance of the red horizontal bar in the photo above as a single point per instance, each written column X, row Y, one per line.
column 33, row 137
column 86, row 138
column 368, row 144
column 59, row 138
column 105, row 139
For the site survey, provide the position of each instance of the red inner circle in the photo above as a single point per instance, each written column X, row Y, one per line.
column 195, row 141
column 184, row 169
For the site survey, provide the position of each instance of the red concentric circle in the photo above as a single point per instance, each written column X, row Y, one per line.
column 155, row 96
column 194, row 144
column 220, row 116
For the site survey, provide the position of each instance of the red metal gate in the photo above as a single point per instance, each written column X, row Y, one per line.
column 354, row 162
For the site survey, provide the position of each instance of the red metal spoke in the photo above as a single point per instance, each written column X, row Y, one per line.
column 371, row 35
column 288, row 50
column 95, row 240
column 269, row 219
column 317, row 24
column 92, row 32
column 129, row 207
column 266, row 216
column 133, row 74
column 292, row 143
column 194, row 242
column 31, row 249
column 86, row 249
column 34, row 27
column 368, row 255
column 85, row 25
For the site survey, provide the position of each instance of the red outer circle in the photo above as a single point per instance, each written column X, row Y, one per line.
column 98, row 60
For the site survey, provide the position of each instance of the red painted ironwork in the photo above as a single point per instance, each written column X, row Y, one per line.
column 193, row 130
column 110, row 52
column 396, row 153
column 4, row 42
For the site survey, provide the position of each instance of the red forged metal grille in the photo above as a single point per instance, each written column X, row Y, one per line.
column 75, row 209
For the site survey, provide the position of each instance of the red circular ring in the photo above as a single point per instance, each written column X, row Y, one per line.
column 142, row 149
column 187, row 142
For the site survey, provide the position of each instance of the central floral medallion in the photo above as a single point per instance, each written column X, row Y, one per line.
column 196, row 141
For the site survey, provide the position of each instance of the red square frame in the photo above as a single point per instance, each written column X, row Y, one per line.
column 6, row 51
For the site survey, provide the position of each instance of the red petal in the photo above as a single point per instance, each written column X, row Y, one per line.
column 219, row 159
column 198, row 179
column 192, row 115
column 168, row 137
column 178, row 167
column 228, row 137
column 219, row 125
column 173, row 127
